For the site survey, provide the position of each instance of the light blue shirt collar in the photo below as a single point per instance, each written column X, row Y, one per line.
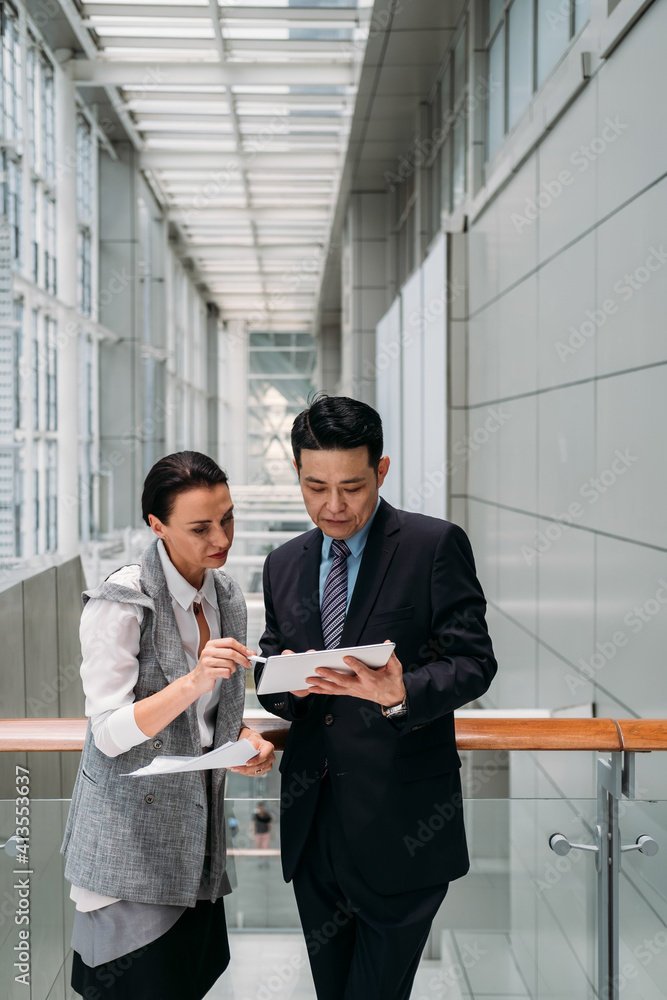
column 355, row 542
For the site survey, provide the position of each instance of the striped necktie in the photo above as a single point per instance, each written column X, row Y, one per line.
column 334, row 597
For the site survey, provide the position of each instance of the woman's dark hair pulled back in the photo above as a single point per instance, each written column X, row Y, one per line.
column 175, row 474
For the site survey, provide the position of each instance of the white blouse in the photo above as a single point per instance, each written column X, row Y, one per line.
column 110, row 633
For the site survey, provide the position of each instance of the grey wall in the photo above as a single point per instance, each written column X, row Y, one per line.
column 583, row 406
column 563, row 334
column 39, row 664
column 363, row 292
column 553, row 446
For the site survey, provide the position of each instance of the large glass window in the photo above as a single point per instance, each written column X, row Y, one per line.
column 19, row 367
column 51, row 375
column 51, row 496
column 87, row 526
column 49, row 244
column 525, row 40
column 446, row 176
column 19, row 503
column 84, row 169
column 449, row 112
column 10, row 119
column 496, row 105
column 519, row 59
column 36, row 509
column 435, row 193
column 459, row 161
column 460, row 64
column 494, row 14
column 460, row 119
column 48, row 122
column 31, row 65
column 553, row 36
column 280, row 374
column 11, row 202
column 34, row 231
column 582, row 12
column 36, row 372
column 84, row 250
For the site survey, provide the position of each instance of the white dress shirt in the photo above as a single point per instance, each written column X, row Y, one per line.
column 110, row 634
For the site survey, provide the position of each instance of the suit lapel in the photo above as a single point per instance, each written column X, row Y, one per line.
column 308, row 591
column 379, row 550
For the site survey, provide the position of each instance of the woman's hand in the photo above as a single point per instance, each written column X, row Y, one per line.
column 219, row 659
column 302, row 692
column 263, row 761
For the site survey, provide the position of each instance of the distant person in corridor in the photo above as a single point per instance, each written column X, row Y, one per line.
column 371, row 810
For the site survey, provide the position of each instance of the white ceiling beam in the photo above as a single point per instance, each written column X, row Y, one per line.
column 321, row 102
column 286, row 214
column 144, row 10
column 152, row 42
column 221, row 141
column 217, row 124
column 290, row 13
column 287, row 321
column 317, row 46
column 223, row 163
column 90, row 49
column 100, row 72
column 305, row 300
column 277, row 251
column 228, row 13
column 341, row 50
column 179, row 117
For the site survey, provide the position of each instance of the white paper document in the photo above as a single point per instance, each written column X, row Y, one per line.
column 230, row 755
column 289, row 672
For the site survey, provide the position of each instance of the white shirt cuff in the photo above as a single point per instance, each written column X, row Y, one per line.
column 122, row 732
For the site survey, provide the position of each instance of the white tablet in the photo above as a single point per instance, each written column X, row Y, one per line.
column 289, row 672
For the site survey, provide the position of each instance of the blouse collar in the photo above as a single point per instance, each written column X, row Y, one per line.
column 178, row 586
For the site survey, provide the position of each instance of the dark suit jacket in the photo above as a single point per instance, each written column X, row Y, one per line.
column 396, row 783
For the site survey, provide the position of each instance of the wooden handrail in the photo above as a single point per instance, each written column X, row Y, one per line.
column 471, row 734
column 643, row 734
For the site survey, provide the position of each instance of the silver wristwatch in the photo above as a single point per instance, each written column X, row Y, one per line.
column 395, row 711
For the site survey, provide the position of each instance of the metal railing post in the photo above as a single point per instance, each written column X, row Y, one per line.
column 609, row 782
column 615, row 779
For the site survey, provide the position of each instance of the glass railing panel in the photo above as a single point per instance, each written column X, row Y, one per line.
column 643, row 904
column 35, row 915
column 261, row 899
column 521, row 924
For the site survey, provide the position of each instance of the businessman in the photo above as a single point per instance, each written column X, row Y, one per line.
column 371, row 810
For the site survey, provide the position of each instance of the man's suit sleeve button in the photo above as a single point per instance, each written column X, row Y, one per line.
column 329, row 720
column 150, row 799
column 279, row 704
column 157, row 744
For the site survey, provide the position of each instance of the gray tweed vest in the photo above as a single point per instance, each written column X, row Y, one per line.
column 144, row 839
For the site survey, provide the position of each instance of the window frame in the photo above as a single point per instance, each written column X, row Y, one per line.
column 491, row 33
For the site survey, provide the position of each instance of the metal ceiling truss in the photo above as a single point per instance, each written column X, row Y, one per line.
column 241, row 116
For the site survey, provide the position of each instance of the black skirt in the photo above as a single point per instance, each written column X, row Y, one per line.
column 183, row 964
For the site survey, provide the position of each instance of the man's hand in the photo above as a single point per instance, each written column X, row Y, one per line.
column 383, row 685
column 263, row 762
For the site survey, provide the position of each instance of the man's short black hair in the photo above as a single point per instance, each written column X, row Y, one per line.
column 338, row 423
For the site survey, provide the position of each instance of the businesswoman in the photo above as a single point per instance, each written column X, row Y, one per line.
column 163, row 646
